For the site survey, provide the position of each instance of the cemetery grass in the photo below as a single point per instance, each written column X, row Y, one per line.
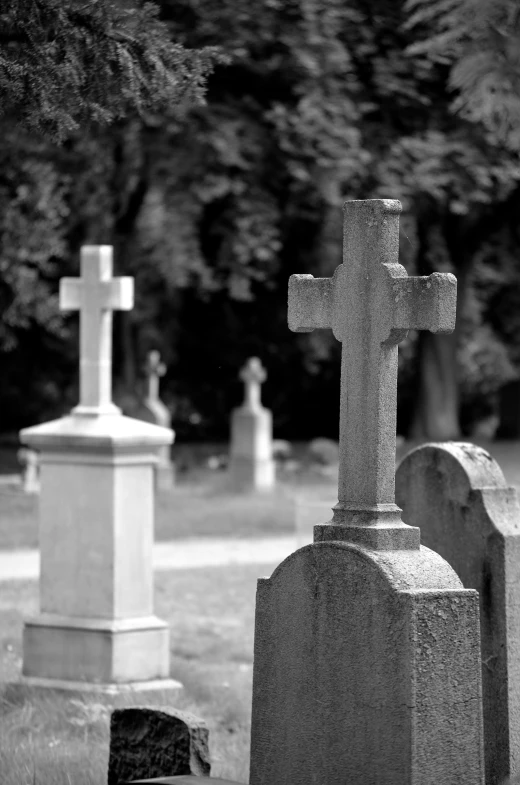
column 55, row 739
column 201, row 505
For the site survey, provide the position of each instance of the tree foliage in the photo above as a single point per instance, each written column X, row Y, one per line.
column 480, row 41
column 212, row 208
column 64, row 63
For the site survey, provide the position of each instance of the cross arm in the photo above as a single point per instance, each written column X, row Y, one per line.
column 70, row 294
column 425, row 302
column 310, row 303
column 120, row 293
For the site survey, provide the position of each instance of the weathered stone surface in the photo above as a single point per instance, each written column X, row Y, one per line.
column 148, row 742
column 367, row 649
column 184, row 780
column 252, row 467
column 370, row 303
column 458, row 495
column 366, row 670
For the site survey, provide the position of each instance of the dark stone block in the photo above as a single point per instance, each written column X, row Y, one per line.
column 146, row 743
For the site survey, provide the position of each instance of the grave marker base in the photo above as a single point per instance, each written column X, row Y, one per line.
column 366, row 670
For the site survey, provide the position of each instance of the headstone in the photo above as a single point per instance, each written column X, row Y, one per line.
column 252, row 467
column 366, row 659
column 509, row 411
column 469, row 516
column 96, row 629
column 148, row 742
column 30, row 470
column 160, row 415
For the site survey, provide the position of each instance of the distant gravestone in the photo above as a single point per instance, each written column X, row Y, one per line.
column 252, row 467
column 366, row 659
column 30, row 470
column 469, row 516
column 159, row 415
column 149, row 742
column 96, row 630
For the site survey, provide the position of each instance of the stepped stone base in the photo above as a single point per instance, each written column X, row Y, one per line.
column 96, row 652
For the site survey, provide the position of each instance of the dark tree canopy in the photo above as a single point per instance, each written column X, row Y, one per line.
column 211, row 209
column 64, row 63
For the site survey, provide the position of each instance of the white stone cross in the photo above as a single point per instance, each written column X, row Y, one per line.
column 155, row 370
column 370, row 303
column 95, row 295
column 252, row 374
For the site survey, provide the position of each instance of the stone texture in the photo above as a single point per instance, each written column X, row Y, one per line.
column 184, row 780
column 367, row 646
column 252, row 467
column 148, row 742
column 96, row 624
column 458, row 495
column 366, row 670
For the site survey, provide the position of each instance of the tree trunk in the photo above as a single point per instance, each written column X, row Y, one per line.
column 130, row 186
column 436, row 415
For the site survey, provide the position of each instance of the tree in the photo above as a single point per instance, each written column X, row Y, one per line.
column 480, row 42
column 64, row 63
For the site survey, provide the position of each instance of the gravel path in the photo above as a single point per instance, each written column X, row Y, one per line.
column 178, row 555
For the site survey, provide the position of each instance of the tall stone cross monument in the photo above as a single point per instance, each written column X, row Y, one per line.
column 366, row 665
column 252, row 466
column 96, row 629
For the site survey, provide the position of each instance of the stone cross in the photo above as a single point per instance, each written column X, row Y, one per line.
column 95, row 295
column 156, row 370
column 252, row 374
column 370, row 303
column 366, row 662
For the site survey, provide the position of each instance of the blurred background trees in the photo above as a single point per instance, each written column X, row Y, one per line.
column 212, row 205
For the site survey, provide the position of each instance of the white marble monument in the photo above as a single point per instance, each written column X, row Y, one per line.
column 96, row 629
column 252, row 467
column 160, row 415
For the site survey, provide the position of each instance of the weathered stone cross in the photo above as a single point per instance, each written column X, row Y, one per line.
column 156, row 370
column 95, row 295
column 252, row 374
column 370, row 303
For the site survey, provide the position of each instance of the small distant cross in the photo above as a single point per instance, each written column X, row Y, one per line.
column 370, row 303
column 252, row 374
column 95, row 295
column 155, row 370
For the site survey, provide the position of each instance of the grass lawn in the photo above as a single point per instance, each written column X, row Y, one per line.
column 52, row 739
column 200, row 505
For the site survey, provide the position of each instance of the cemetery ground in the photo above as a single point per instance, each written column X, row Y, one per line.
column 58, row 739
column 55, row 739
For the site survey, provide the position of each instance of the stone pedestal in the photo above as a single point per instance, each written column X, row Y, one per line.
column 366, row 670
column 96, row 628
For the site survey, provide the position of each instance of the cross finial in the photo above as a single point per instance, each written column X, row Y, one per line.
column 95, row 295
column 370, row 303
column 252, row 374
column 155, row 370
